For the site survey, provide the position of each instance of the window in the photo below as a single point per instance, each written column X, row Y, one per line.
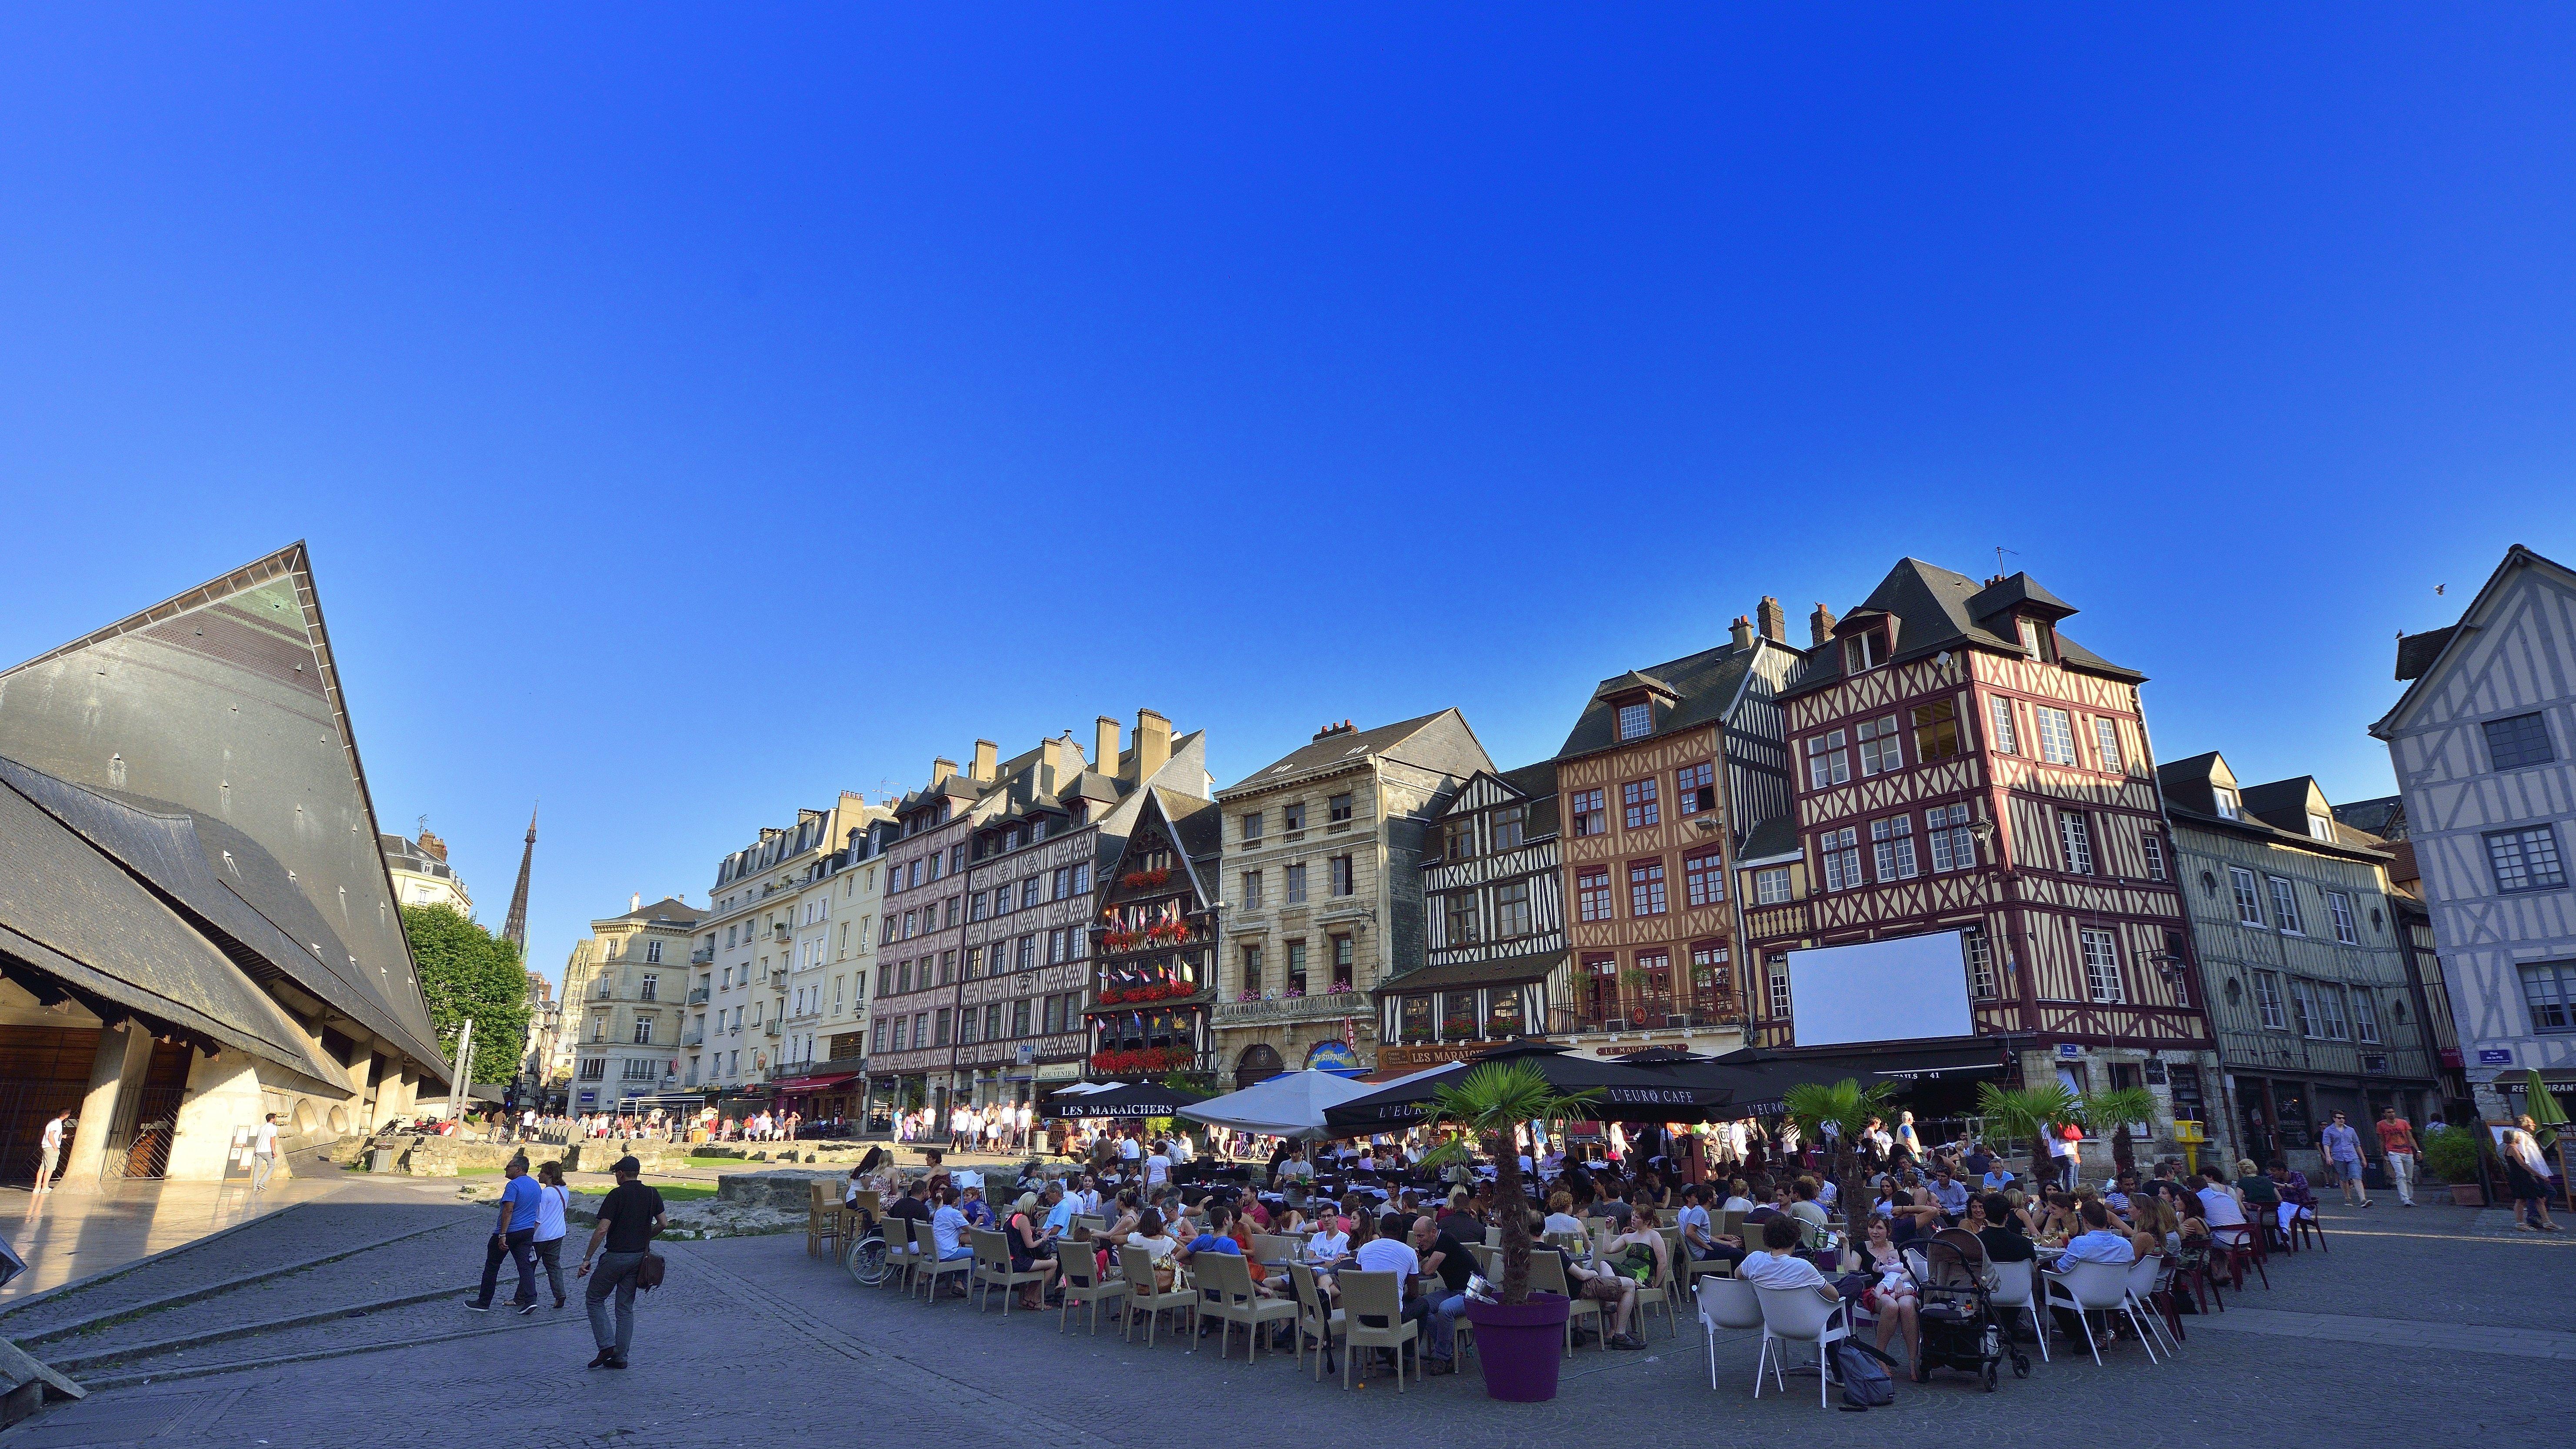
column 1458, row 839
column 1892, row 847
column 2526, row 859
column 2028, row 630
column 2056, row 734
column 1954, row 845
column 2321, row 827
column 1638, row 804
column 638, row 1069
column 992, row 1020
column 1636, row 721
column 2549, row 991
column 649, row 989
column 2249, row 906
column 2267, row 1001
column 2106, row 740
column 1028, row 894
column 1252, row 970
column 1251, row 890
column 1295, row 877
column 1459, row 912
column 1695, row 786
column 1981, row 962
column 2303, row 1005
column 1880, row 747
column 1020, row 1017
column 966, row 1030
column 1251, row 831
column 1592, row 893
column 2365, row 1015
column 1841, row 852
column 2521, row 740
column 942, row 1019
column 1296, row 967
column 2339, row 906
column 1646, row 888
column 1292, row 818
column 1511, row 910
column 1082, row 879
column 1864, row 651
column 2007, row 740
column 1342, row 962
column 1936, row 731
column 2102, row 966
column 1704, row 878
column 2330, row 1000
column 2285, row 905
column 914, row 877
column 1826, row 763
column 2075, row 833
column 653, row 951
column 2225, row 800
column 1771, row 886
column 1337, row 810
column 1776, row 972
column 1589, row 817
column 643, row 1031
column 1340, row 869
column 879, row 1033
column 1511, row 827
column 2152, row 846
column 1028, row 953
column 975, row 962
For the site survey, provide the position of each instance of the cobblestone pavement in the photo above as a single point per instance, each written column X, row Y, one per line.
column 2470, row 1323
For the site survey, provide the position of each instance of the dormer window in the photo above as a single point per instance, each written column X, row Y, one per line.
column 2321, row 827
column 2226, row 800
column 1864, row 651
column 1636, row 721
column 2033, row 637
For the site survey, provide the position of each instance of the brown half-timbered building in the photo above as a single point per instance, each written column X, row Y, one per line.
column 1154, row 944
column 1662, row 774
column 1963, row 765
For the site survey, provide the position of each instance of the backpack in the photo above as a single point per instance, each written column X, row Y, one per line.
column 1865, row 1381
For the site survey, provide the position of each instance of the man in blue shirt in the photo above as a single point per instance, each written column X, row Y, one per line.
column 2099, row 1242
column 2343, row 1157
column 1061, row 1209
column 1949, row 1193
column 514, row 1235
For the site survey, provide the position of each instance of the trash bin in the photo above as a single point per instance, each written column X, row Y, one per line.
column 380, row 1159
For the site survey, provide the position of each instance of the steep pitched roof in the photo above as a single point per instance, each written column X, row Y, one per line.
column 1938, row 609
column 2435, row 647
column 1702, row 687
column 669, row 908
column 1342, row 747
column 1772, row 839
column 224, row 704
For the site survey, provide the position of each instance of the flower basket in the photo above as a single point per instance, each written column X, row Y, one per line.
column 1138, row 880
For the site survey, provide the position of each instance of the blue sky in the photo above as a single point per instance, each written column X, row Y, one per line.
column 694, row 416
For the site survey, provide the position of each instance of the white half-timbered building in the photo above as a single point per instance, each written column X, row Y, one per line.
column 2484, row 745
column 1494, row 918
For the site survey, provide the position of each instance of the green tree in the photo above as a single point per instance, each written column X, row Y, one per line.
column 1847, row 1107
column 2028, row 1112
column 1494, row 1099
column 466, row 971
column 2114, row 1112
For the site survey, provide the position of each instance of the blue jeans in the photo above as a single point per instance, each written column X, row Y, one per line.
column 616, row 1271
column 1444, row 1325
column 519, row 1246
column 962, row 1250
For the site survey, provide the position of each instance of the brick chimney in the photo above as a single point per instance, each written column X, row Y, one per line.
column 1741, row 632
column 1153, row 744
column 984, row 767
column 940, row 770
column 432, row 846
column 1104, row 745
column 1820, row 624
column 1773, row 620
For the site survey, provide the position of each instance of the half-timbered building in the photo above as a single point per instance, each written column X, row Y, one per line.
column 1494, row 922
column 1665, row 771
column 1154, row 944
column 1961, row 764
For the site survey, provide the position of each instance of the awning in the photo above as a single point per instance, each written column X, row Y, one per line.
column 1144, row 1099
column 1760, row 1078
column 1621, row 1093
column 814, row 1084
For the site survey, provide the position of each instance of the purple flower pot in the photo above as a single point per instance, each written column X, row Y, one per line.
column 1520, row 1346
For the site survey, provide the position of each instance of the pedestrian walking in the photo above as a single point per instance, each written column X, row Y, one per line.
column 552, row 1199
column 263, row 1153
column 2397, row 1149
column 2343, row 1154
column 514, row 1236
column 52, row 1150
column 628, row 1220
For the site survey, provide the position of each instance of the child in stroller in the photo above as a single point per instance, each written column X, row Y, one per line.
column 1960, row 1327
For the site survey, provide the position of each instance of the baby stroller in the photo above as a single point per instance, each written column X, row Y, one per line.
column 1961, row 1329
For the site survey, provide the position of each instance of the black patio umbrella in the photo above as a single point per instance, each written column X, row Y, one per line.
column 1143, row 1099
column 1621, row 1093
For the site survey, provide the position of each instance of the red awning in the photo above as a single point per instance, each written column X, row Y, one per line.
column 813, row 1084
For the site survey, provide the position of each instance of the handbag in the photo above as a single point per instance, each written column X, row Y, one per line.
column 648, row 1273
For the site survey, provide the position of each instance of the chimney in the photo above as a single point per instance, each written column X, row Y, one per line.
column 1055, row 763
column 1821, row 624
column 940, row 770
column 635, row 902
column 1104, row 745
column 1153, row 744
column 432, row 846
column 1774, row 620
column 1741, row 632
column 986, row 763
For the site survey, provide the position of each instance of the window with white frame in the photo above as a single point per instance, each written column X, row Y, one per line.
column 1981, row 963
column 2339, row 906
column 2549, row 994
column 1776, row 977
column 2330, row 998
column 1892, row 847
column 1881, row 746
column 2075, row 833
column 2303, row 1007
column 1251, row 890
column 653, row 951
column 2152, row 846
column 1592, row 893
column 1636, row 721
column 2267, row 1001
column 2007, row 740
column 2056, row 734
column 1954, row 844
column 1841, row 852
column 1827, row 765
column 2225, row 800
column 1864, row 652
column 2102, row 966
column 644, row 1031
column 1704, row 877
column 1771, row 886
column 2106, row 741
column 2365, row 1016
column 2249, row 901
column 2321, row 827
column 2285, row 906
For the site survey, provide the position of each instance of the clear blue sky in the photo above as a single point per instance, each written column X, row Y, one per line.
column 694, row 415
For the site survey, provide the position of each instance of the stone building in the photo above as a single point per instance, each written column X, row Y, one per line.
column 771, row 917
column 828, row 1019
column 2484, row 745
column 1322, row 869
column 624, row 992
column 2303, row 961
column 421, row 874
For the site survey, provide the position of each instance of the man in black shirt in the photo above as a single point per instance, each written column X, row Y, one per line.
column 627, row 1222
column 1449, row 1260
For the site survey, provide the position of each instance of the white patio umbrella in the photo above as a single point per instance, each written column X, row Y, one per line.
column 1288, row 1105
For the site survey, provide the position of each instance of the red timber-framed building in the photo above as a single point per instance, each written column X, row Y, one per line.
column 1155, row 943
column 1960, row 764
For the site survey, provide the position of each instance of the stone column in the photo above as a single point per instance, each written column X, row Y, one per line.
column 115, row 1076
column 399, row 1094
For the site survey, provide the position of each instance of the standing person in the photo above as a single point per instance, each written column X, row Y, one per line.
column 2526, row 1172
column 2065, row 1145
column 53, row 1149
column 628, row 1220
column 2397, row 1149
column 514, row 1236
column 2343, row 1154
column 263, row 1154
column 552, row 1198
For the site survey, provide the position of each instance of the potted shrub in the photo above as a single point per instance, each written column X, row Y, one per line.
column 1520, row 1336
column 2451, row 1156
column 2028, row 1112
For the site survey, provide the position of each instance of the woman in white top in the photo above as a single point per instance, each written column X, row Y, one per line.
column 1158, row 1168
column 1158, row 1246
column 552, row 1198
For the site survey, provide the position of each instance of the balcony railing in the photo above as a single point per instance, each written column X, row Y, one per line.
column 1770, row 923
column 1294, row 1008
column 697, row 996
column 782, row 931
column 1633, row 1017
column 773, row 1028
column 704, row 955
column 777, row 977
column 693, row 1038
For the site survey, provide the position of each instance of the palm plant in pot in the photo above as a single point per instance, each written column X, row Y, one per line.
column 2028, row 1112
column 2113, row 1113
column 1846, row 1107
column 1518, row 1336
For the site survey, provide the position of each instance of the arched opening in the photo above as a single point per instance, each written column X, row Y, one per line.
column 1259, row 1063
column 303, row 1118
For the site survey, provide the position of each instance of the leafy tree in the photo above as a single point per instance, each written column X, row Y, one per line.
column 1494, row 1099
column 466, row 971
column 1847, row 1107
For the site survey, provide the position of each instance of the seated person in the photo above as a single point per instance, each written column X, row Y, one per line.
column 1779, row 1266
column 1738, row 1199
column 1617, row 1295
column 1948, row 1193
column 1560, row 1214
column 1806, row 1209
column 1330, row 1243
column 1995, row 1178
column 1891, row 1294
column 2219, row 1207
column 1611, row 1206
column 2099, row 1242
column 1698, row 1238
column 2256, row 1190
column 2002, row 1234
column 2297, row 1199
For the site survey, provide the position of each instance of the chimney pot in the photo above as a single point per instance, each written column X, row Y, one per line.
column 1105, row 733
column 1820, row 624
column 987, row 762
column 635, row 902
column 1741, row 632
column 1773, row 620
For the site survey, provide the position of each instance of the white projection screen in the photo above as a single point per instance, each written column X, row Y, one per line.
column 1899, row 990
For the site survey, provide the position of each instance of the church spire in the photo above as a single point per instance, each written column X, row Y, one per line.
column 515, row 929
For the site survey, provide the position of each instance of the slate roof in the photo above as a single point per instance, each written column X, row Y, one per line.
column 1937, row 609
column 1769, row 840
column 669, row 908
column 2416, row 652
column 1339, row 749
column 1503, row 971
column 2384, row 817
column 1702, row 686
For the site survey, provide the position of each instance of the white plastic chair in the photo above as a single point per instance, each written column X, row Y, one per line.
column 2013, row 1284
column 1725, row 1303
column 1798, row 1315
column 2097, row 1288
column 2146, row 1277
